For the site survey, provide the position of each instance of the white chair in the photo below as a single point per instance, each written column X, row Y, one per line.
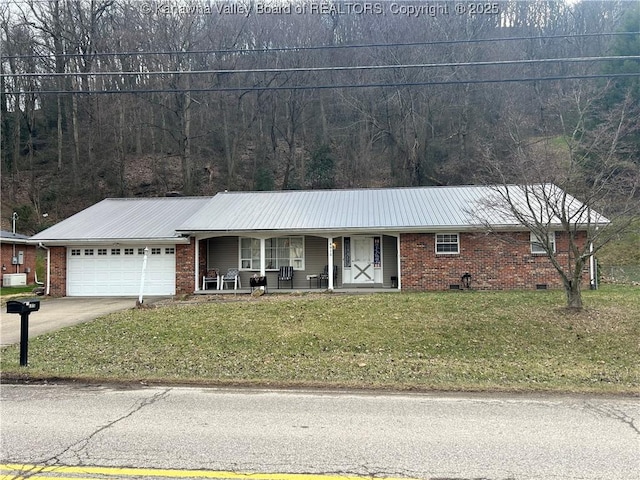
column 211, row 276
column 232, row 275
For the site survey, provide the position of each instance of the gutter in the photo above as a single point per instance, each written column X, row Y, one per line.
column 391, row 230
column 57, row 242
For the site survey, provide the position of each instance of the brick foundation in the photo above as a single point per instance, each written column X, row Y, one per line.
column 495, row 262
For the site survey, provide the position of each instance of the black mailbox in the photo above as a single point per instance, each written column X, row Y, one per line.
column 23, row 306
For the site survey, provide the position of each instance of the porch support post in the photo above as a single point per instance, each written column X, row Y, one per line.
column 399, row 262
column 263, row 254
column 263, row 260
column 330, row 263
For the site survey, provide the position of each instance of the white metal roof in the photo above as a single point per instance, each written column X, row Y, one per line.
column 116, row 219
column 390, row 209
column 384, row 209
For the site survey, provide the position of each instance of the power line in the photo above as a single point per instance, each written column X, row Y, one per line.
column 332, row 86
column 316, row 47
column 327, row 69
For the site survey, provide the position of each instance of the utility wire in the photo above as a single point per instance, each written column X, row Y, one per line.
column 327, row 69
column 316, row 47
column 332, row 86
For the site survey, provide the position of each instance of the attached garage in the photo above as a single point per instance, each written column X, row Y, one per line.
column 117, row 270
column 100, row 251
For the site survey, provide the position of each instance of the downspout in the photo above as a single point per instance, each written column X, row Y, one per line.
column 263, row 260
column 399, row 262
column 47, row 289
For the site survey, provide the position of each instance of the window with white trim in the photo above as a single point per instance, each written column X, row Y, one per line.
column 537, row 246
column 250, row 254
column 279, row 252
column 447, row 243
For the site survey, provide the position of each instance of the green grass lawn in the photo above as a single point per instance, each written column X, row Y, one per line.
column 16, row 291
column 503, row 341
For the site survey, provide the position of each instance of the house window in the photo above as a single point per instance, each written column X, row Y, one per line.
column 537, row 246
column 88, row 251
column 447, row 243
column 279, row 252
column 170, row 251
column 115, row 251
column 128, row 251
column 250, row 254
column 102, row 251
column 285, row 252
column 156, row 251
column 75, row 252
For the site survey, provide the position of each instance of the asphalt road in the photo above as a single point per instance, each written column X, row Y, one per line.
column 56, row 313
column 222, row 433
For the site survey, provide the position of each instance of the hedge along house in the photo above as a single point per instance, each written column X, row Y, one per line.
column 424, row 238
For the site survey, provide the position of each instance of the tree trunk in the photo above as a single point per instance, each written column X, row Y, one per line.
column 120, row 149
column 76, row 139
column 187, row 170
column 59, row 129
column 574, row 295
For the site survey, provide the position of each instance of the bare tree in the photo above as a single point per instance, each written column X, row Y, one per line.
column 582, row 184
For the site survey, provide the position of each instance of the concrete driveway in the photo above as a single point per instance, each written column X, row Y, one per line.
column 56, row 313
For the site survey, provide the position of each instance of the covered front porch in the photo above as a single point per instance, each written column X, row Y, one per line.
column 362, row 261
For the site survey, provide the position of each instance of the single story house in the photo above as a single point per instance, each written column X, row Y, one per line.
column 18, row 258
column 422, row 238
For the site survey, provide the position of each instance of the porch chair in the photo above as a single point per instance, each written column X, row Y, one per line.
column 212, row 275
column 232, row 275
column 324, row 276
column 285, row 275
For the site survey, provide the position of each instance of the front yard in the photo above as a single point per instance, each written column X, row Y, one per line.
column 502, row 341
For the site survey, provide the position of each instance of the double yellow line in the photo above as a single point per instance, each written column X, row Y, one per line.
column 43, row 472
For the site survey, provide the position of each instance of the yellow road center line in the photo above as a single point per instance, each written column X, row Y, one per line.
column 31, row 470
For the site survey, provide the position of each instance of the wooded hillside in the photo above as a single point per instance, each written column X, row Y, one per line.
column 109, row 98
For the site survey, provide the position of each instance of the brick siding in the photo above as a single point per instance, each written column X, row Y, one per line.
column 496, row 262
column 6, row 255
column 58, row 281
column 185, row 261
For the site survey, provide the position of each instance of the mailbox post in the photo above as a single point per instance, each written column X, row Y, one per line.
column 24, row 308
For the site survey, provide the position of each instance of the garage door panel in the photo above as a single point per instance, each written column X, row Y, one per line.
column 99, row 271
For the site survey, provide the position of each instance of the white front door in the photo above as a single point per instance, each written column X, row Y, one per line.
column 362, row 261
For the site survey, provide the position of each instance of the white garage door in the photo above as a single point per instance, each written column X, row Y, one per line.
column 116, row 271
